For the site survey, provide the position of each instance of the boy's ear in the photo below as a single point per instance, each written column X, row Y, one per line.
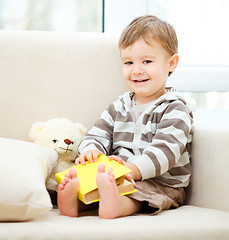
column 173, row 62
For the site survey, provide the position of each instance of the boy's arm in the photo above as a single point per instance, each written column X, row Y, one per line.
column 99, row 137
column 168, row 144
column 135, row 174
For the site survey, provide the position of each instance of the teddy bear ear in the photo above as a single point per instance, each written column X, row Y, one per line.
column 81, row 128
column 35, row 130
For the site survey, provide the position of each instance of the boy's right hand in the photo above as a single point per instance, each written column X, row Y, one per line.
column 90, row 155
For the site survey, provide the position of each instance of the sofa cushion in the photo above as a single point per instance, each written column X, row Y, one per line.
column 24, row 167
column 184, row 223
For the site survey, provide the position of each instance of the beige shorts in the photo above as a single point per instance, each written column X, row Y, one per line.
column 158, row 197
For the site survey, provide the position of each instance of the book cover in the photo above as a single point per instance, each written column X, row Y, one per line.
column 88, row 191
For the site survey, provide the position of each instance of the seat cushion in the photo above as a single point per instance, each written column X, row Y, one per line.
column 186, row 222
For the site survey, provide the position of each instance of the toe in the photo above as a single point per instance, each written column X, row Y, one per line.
column 66, row 175
column 110, row 171
column 110, row 174
column 60, row 187
column 72, row 173
column 101, row 168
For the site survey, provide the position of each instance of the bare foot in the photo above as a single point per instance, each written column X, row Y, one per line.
column 109, row 196
column 67, row 194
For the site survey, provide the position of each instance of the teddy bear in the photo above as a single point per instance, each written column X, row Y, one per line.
column 62, row 135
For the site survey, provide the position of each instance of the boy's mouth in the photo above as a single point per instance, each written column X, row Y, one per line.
column 141, row 80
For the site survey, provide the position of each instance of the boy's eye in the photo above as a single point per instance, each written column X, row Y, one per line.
column 128, row 63
column 147, row 61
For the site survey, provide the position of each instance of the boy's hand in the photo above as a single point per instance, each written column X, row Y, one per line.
column 117, row 159
column 90, row 155
column 128, row 176
column 134, row 175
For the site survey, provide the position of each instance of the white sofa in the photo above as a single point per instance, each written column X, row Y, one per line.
column 46, row 75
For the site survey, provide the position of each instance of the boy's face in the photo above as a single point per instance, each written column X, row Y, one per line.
column 145, row 69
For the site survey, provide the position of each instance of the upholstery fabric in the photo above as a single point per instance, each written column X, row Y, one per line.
column 24, row 167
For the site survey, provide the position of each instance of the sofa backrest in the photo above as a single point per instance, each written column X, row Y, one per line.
column 46, row 75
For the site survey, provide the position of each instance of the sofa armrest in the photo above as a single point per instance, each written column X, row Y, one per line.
column 210, row 164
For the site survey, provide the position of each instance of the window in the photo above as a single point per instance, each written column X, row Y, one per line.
column 203, row 43
column 200, row 25
column 51, row 15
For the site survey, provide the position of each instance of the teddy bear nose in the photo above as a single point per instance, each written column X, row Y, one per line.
column 67, row 141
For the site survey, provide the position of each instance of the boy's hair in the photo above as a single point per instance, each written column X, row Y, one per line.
column 150, row 28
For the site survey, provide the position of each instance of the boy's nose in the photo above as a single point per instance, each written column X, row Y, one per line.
column 137, row 70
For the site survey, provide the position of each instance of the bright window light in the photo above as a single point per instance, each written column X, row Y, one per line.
column 52, row 15
column 201, row 26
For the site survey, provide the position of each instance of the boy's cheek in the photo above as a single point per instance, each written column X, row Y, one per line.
column 125, row 73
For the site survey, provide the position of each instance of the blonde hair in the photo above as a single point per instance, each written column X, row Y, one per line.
column 150, row 28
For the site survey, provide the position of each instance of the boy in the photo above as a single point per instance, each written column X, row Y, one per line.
column 148, row 129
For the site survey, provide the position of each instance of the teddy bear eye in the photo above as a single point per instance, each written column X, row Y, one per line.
column 54, row 140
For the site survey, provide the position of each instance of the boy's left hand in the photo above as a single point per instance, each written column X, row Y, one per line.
column 130, row 177
column 118, row 159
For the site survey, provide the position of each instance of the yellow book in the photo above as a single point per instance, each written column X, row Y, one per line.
column 88, row 191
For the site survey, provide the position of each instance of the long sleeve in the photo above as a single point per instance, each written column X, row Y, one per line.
column 166, row 153
column 100, row 135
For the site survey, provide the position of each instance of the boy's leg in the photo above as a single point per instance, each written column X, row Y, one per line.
column 67, row 194
column 111, row 204
column 129, row 206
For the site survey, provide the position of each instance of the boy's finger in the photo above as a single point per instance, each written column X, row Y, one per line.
column 95, row 155
column 80, row 159
column 77, row 161
column 89, row 156
column 117, row 159
column 130, row 179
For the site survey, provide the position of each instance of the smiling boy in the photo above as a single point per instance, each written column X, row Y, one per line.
column 148, row 129
column 146, row 68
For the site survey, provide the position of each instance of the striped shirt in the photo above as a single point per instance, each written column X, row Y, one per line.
column 158, row 142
